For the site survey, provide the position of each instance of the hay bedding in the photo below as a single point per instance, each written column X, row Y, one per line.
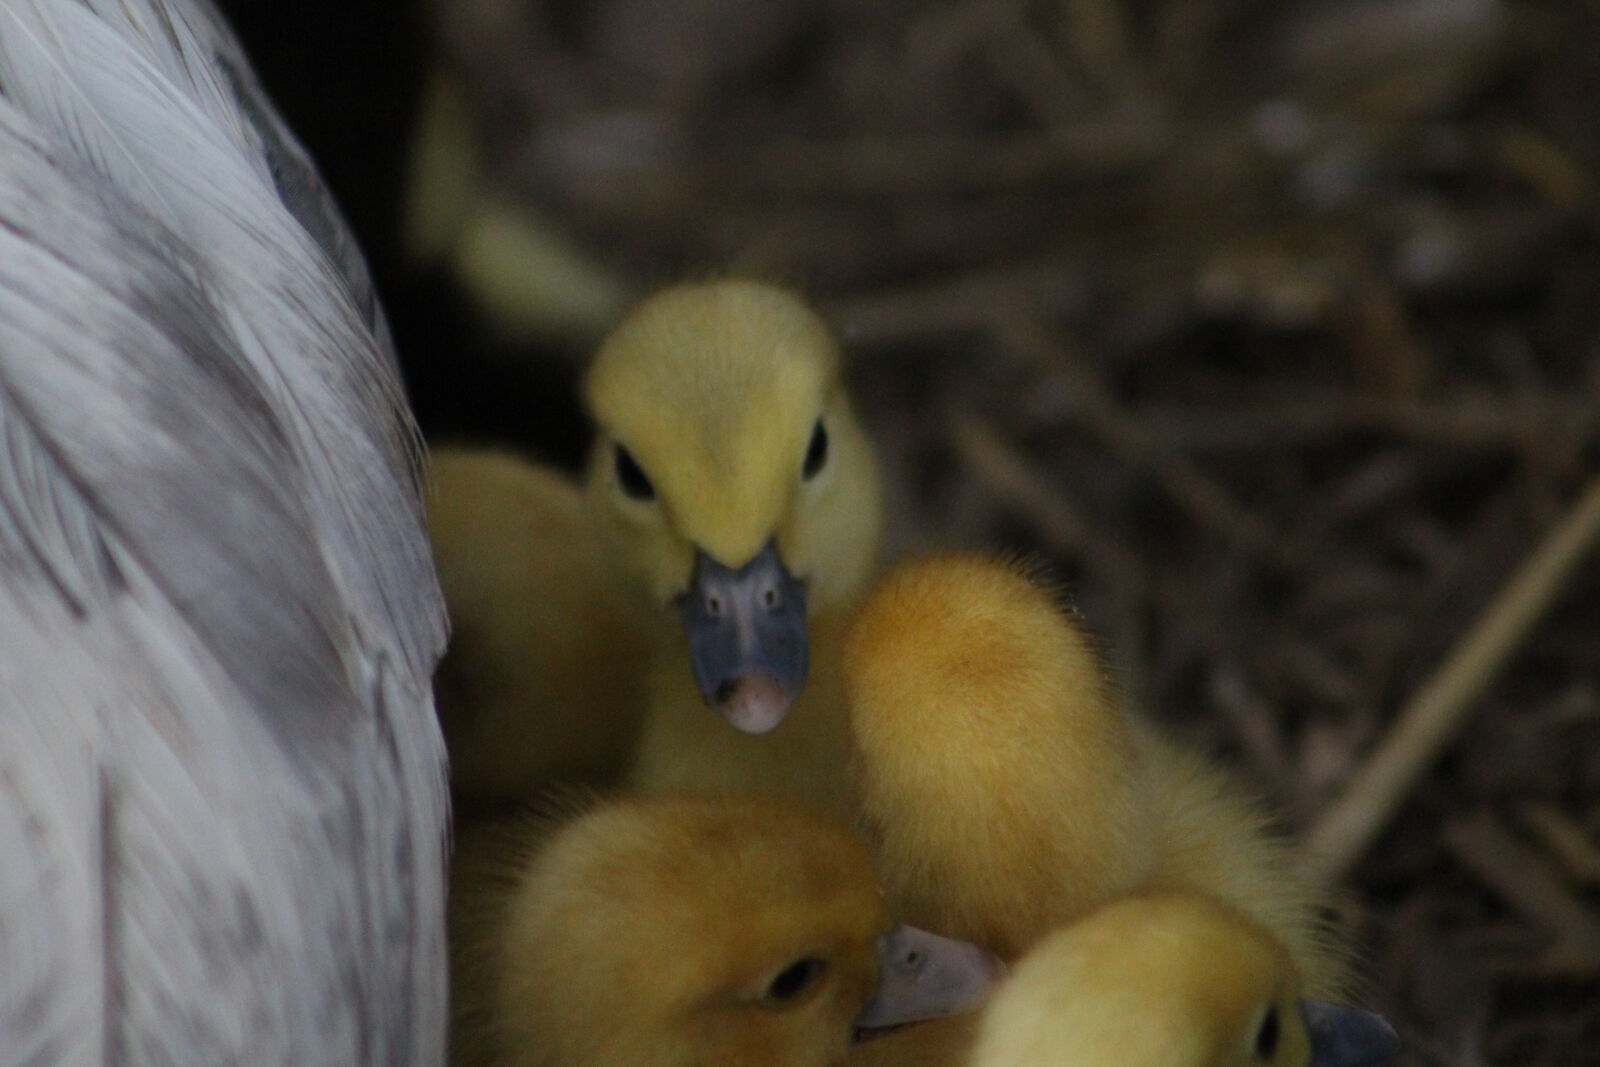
column 1273, row 326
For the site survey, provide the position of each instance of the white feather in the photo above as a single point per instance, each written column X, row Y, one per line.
column 221, row 781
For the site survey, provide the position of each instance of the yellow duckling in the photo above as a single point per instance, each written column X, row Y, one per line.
column 731, row 502
column 732, row 484
column 1164, row 978
column 542, row 681
column 1009, row 794
column 526, row 275
column 685, row 931
column 1003, row 787
column 733, row 478
column 1169, row 979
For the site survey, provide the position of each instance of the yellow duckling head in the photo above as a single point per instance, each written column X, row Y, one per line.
column 730, row 478
column 693, row 930
column 1169, row 979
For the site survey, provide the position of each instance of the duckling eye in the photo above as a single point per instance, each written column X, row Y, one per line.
column 816, row 452
column 794, row 980
column 1267, row 1035
column 631, row 477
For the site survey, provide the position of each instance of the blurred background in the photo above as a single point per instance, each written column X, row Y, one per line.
column 1272, row 325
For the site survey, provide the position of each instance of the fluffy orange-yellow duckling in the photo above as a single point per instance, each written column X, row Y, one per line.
column 1008, row 793
column 685, row 931
column 1159, row 978
column 1003, row 787
column 735, row 485
column 730, row 502
column 1169, row 979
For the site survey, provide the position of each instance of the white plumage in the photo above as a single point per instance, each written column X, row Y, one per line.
column 222, row 802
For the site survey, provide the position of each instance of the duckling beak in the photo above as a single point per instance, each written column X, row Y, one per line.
column 924, row 976
column 747, row 637
column 1342, row 1036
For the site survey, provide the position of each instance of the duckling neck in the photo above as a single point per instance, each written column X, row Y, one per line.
column 687, row 745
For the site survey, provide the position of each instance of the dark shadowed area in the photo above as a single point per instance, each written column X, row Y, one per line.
column 1272, row 326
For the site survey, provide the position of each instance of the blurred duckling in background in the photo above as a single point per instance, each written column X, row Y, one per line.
column 524, row 273
column 1169, row 979
column 685, row 931
column 730, row 486
column 1007, row 792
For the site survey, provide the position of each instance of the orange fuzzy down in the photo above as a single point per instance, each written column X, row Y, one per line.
column 1001, row 783
column 1009, row 794
column 646, row 932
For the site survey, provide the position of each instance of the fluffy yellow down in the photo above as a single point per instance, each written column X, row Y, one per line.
column 647, row 933
column 1007, row 792
column 563, row 598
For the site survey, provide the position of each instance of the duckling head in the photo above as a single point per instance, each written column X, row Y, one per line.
column 731, row 479
column 684, row 931
column 1170, row 979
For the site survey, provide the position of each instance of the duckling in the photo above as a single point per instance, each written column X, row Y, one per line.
column 528, row 279
column 1158, row 978
column 1007, row 792
column 731, row 503
column 1002, row 785
column 732, row 483
column 1169, row 979
column 541, row 682
column 686, row 930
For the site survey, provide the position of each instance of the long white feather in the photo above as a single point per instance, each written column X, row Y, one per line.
column 221, row 781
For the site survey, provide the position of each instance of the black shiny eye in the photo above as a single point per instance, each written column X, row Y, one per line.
column 794, row 979
column 1267, row 1035
column 631, row 477
column 816, row 452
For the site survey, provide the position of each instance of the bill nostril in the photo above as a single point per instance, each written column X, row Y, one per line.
column 726, row 689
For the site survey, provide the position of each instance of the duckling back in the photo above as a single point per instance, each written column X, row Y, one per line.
column 1002, row 785
column 1010, row 794
column 1216, row 835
